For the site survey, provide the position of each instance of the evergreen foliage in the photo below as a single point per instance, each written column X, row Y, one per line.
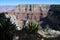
column 7, row 29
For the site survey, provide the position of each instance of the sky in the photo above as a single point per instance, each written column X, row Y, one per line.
column 17, row 2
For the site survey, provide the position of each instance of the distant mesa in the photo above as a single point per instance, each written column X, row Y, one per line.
column 7, row 8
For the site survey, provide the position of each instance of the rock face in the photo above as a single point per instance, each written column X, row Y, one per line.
column 35, row 12
column 26, row 11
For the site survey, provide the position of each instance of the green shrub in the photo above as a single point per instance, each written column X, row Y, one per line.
column 33, row 26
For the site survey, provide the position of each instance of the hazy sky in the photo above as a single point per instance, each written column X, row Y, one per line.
column 16, row 2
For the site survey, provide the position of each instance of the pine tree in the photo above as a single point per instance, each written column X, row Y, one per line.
column 7, row 29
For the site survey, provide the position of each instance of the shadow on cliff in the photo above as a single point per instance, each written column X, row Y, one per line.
column 53, row 18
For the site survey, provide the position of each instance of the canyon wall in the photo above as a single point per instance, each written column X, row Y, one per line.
column 26, row 12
